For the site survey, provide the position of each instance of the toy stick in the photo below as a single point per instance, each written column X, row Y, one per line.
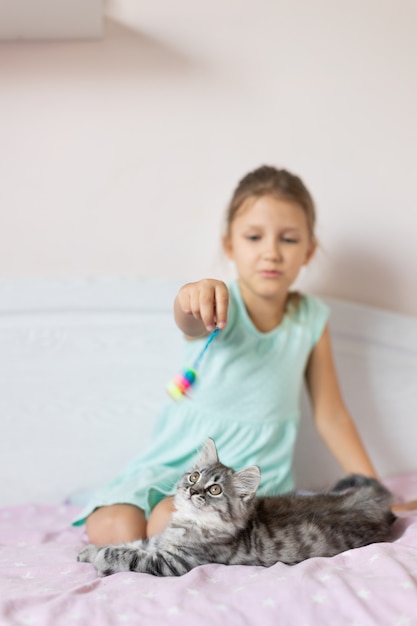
column 181, row 383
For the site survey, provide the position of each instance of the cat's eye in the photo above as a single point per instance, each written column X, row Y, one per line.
column 215, row 490
column 194, row 477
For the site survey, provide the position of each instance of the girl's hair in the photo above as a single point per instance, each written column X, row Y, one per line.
column 270, row 181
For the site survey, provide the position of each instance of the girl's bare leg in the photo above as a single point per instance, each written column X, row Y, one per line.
column 160, row 516
column 117, row 523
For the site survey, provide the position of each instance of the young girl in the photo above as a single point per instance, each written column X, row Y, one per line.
column 248, row 394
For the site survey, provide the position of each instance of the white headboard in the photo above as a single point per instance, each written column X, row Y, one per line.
column 84, row 365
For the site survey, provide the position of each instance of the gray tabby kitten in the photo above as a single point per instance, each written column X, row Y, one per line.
column 218, row 519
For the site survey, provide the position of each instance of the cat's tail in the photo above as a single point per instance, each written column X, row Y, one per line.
column 366, row 493
column 353, row 481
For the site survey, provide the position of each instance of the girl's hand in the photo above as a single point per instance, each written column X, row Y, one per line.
column 411, row 505
column 201, row 306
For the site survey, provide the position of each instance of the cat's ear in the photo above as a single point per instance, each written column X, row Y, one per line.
column 208, row 455
column 246, row 482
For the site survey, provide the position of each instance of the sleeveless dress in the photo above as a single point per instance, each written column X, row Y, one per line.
column 246, row 399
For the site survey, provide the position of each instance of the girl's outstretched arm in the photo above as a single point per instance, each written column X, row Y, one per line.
column 332, row 419
column 201, row 306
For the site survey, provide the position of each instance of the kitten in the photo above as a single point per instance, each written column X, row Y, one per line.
column 218, row 519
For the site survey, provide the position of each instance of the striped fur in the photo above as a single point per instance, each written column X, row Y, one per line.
column 218, row 519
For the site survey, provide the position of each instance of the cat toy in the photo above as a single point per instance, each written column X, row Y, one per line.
column 181, row 383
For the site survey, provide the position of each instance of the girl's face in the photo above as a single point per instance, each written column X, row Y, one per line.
column 269, row 241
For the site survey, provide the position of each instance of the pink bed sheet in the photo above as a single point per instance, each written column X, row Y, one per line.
column 41, row 583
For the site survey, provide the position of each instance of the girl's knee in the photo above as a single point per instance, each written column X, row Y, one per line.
column 160, row 516
column 114, row 524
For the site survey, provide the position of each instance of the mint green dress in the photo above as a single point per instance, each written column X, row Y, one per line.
column 246, row 399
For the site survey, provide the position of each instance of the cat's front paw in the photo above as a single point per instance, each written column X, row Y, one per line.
column 98, row 556
column 88, row 554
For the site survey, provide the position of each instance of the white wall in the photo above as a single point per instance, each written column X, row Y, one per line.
column 118, row 156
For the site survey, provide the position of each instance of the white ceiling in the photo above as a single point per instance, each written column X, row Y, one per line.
column 50, row 19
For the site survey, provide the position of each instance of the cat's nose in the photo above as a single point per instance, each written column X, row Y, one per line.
column 193, row 492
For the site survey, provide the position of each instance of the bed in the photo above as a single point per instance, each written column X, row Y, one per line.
column 84, row 365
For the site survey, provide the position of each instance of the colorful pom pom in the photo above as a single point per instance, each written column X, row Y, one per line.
column 181, row 383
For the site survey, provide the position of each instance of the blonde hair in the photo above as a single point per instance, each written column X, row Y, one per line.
column 270, row 181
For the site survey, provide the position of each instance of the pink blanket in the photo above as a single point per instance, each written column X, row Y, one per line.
column 41, row 583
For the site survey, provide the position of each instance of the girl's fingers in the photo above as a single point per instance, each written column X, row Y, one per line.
column 208, row 306
column 206, row 300
column 195, row 303
column 221, row 304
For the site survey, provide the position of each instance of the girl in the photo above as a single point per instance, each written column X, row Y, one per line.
column 247, row 398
